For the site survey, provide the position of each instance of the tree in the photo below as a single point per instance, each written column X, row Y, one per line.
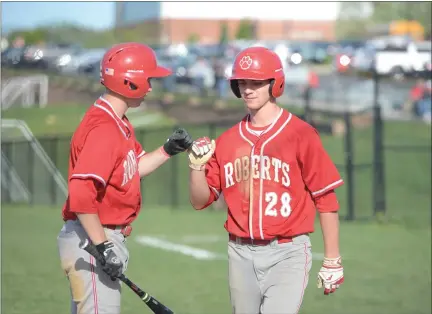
column 31, row 37
column 352, row 20
column 224, row 36
column 245, row 30
column 193, row 38
column 387, row 12
column 356, row 18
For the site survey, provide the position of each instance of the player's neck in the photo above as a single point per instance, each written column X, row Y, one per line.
column 265, row 115
column 119, row 105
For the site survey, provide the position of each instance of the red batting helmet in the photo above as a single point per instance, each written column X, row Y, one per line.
column 126, row 69
column 258, row 63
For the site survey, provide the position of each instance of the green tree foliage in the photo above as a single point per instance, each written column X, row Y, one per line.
column 356, row 18
column 193, row 38
column 89, row 38
column 31, row 37
column 245, row 30
column 352, row 21
column 224, row 36
column 386, row 12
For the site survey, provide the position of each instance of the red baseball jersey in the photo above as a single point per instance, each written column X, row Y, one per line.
column 270, row 176
column 104, row 148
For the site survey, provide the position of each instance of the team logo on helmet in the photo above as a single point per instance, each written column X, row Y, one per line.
column 245, row 62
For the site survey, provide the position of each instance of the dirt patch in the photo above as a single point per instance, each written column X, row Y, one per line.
column 185, row 113
column 61, row 95
column 188, row 111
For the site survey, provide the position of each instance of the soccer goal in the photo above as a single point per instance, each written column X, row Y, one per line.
column 28, row 174
column 24, row 91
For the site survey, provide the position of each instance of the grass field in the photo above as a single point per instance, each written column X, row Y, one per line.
column 62, row 119
column 387, row 267
column 408, row 182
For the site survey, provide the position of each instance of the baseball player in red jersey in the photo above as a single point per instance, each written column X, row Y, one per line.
column 105, row 165
column 274, row 173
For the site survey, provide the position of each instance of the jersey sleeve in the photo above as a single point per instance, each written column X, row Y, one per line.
column 327, row 202
column 139, row 151
column 213, row 180
column 318, row 170
column 82, row 196
column 97, row 157
column 213, row 176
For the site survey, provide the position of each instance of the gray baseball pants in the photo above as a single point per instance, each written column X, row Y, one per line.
column 269, row 279
column 92, row 291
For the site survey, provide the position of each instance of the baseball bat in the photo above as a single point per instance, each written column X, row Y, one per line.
column 156, row 306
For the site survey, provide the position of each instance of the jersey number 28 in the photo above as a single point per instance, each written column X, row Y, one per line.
column 274, row 202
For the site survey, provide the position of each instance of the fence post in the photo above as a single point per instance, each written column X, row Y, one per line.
column 307, row 107
column 53, row 155
column 142, row 134
column 6, row 147
column 174, row 178
column 378, row 160
column 349, row 165
column 212, row 131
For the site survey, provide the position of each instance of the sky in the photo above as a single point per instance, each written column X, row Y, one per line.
column 97, row 15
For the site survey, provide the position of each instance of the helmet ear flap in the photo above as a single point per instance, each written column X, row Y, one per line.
column 138, row 88
column 272, row 82
column 235, row 88
column 277, row 87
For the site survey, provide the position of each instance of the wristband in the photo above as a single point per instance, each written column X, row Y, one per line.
column 162, row 150
column 332, row 262
column 197, row 167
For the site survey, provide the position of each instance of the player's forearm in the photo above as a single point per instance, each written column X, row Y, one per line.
column 199, row 192
column 151, row 161
column 92, row 225
column 330, row 229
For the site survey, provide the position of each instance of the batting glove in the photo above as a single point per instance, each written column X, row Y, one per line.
column 201, row 152
column 112, row 265
column 330, row 275
column 178, row 142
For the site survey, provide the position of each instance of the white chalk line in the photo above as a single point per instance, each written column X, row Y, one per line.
column 160, row 242
column 196, row 253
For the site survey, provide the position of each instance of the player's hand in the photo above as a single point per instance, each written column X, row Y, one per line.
column 200, row 153
column 330, row 275
column 178, row 142
column 112, row 265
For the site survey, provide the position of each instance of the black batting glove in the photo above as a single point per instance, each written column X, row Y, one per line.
column 178, row 142
column 111, row 265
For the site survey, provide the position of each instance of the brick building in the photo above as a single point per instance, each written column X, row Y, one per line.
column 175, row 22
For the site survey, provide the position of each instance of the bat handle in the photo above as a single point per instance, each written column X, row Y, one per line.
column 91, row 249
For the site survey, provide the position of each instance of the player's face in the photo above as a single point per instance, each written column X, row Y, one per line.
column 254, row 93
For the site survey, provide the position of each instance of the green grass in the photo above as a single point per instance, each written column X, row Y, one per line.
column 387, row 267
column 407, row 179
column 62, row 119
column 407, row 186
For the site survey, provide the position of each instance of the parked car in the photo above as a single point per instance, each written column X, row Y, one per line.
column 46, row 56
column 83, row 63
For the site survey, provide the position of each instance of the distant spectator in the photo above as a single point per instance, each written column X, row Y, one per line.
column 221, row 82
column 417, row 91
column 313, row 79
column 168, row 83
column 202, row 75
column 424, row 104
